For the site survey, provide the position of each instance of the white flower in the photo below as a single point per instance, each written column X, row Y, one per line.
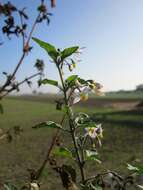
column 91, row 132
column 81, row 92
column 99, row 130
column 96, row 87
column 82, row 95
column 94, row 132
column 34, row 186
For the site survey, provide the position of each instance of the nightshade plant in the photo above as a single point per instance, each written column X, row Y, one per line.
column 86, row 135
column 80, row 126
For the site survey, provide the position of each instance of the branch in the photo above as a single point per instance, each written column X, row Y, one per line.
column 19, row 84
column 40, row 170
column 26, row 45
column 104, row 174
column 8, row 81
column 23, row 38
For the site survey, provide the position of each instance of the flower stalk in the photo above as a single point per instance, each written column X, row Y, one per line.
column 72, row 127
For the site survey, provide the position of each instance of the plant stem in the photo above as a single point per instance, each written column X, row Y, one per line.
column 19, row 84
column 80, row 164
column 72, row 127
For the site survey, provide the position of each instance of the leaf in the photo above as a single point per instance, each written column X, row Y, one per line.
column 81, row 118
column 48, row 124
column 50, row 49
column 71, row 80
column 68, row 177
column 82, row 81
column 98, row 188
column 91, row 186
column 87, row 124
column 8, row 186
column 48, row 81
column 132, row 168
column 68, row 52
column 1, row 109
column 92, row 155
column 62, row 151
column 140, row 186
column 140, row 170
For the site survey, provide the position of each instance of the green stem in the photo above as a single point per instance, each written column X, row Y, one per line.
column 72, row 127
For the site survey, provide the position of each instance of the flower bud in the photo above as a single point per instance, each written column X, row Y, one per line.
column 53, row 3
column 78, row 84
column 70, row 68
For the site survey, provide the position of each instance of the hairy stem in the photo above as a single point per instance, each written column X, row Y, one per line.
column 72, row 127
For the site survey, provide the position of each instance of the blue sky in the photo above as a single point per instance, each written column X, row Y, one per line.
column 111, row 31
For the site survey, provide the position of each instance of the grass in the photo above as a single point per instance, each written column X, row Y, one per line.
column 122, row 143
column 126, row 94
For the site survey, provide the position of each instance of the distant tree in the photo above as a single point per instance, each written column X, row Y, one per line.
column 139, row 87
column 34, row 92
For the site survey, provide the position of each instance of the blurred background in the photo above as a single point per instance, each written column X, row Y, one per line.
column 111, row 33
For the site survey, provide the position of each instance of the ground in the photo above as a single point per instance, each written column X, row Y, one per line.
column 121, row 119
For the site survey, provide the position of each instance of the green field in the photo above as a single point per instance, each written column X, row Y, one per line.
column 122, row 143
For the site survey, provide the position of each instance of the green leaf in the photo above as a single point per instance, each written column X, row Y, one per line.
column 70, row 81
column 48, row 124
column 98, row 188
column 140, row 186
column 81, row 118
column 140, row 170
column 62, row 151
column 82, row 81
column 92, row 155
column 87, row 124
column 50, row 49
column 68, row 52
column 132, row 168
column 1, row 109
column 48, row 81
column 8, row 186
